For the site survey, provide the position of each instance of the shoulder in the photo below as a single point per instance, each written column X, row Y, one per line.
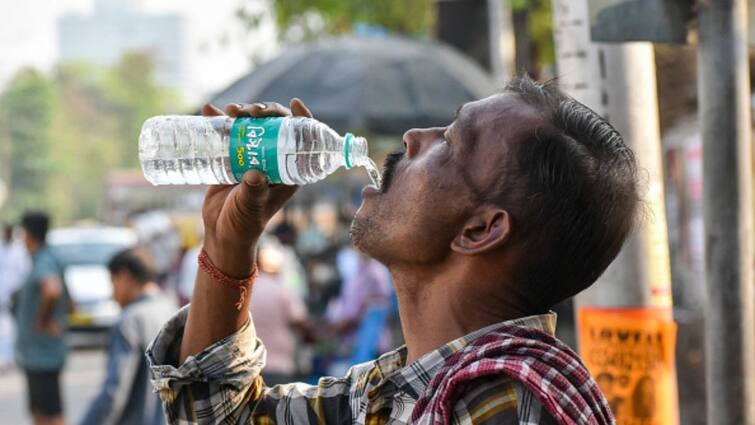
column 154, row 307
column 144, row 318
column 499, row 399
column 488, row 400
column 45, row 263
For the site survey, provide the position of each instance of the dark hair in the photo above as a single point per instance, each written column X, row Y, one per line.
column 135, row 261
column 36, row 224
column 574, row 197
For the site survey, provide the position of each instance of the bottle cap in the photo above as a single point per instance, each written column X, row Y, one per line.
column 346, row 148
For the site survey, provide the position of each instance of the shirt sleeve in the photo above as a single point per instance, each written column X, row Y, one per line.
column 124, row 359
column 46, row 267
column 222, row 384
column 489, row 400
column 499, row 400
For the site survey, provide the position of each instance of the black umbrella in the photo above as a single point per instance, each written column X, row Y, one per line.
column 381, row 85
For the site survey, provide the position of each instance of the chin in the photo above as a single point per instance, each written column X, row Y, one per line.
column 357, row 230
column 363, row 231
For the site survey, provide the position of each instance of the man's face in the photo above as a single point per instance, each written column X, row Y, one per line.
column 122, row 287
column 29, row 243
column 433, row 186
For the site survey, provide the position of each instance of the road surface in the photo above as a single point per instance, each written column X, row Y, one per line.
column 82, row 378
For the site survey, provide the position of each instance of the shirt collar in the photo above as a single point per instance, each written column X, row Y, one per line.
column 393, row 372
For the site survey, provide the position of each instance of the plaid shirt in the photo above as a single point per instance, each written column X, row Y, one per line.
column 542, row 363
column 222, row 385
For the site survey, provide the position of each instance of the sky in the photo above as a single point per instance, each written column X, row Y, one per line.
column 218, row 45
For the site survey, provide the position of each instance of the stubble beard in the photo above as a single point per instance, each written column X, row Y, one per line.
column 358, row 231
column 367, row 234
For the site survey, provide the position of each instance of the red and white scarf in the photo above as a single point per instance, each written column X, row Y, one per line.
column 546, row 366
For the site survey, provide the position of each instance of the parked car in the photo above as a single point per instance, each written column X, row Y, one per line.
column 83, row 253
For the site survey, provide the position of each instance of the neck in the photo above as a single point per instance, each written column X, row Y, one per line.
column 33, row 247
column 441, row 303
column 146, row 289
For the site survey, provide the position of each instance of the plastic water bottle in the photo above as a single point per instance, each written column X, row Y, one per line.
column 219, row 150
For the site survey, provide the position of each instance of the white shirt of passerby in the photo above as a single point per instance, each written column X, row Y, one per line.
column 14, row 266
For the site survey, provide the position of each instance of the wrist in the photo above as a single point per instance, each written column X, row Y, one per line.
column 234, row 260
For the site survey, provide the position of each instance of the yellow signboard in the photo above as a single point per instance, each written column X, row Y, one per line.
column 630, row 352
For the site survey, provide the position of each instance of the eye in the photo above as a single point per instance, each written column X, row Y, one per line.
column 444, row 135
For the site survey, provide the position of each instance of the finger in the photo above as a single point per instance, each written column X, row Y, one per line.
column 260, row 109
column 214, row 189
column 210, row 110
column 232, row 109
column 251, row 196
column 299, row 109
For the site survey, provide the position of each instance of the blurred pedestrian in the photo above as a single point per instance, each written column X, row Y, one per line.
column 280, row 312
column 43, row 304
column 126, row 396
column 311, row 241
column 14, row 266
column 367, row 287
column 291, row 271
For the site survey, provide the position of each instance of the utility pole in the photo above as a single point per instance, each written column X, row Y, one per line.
column 727, row 198
column 634, row 295
column 618, row 81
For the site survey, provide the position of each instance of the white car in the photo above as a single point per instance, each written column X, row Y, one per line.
column 83, row 253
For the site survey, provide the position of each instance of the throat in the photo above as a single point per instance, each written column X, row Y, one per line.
column 434, row 313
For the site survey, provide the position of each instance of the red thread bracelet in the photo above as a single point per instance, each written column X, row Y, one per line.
column 217, row 275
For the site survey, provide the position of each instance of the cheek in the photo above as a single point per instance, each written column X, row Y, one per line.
column 117, row 291
column 423, row 220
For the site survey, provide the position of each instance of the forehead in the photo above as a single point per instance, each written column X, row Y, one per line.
column 496, row 119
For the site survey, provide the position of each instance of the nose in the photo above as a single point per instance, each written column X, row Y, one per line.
column 413, row 142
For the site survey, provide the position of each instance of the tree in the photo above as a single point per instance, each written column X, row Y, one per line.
column 533, row 24
column 99, row 114
column 130, row 86
column 300, row 19
column 86, row 143
column 61, row 136
column 26, row 108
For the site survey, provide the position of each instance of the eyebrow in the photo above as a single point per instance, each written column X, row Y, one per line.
column 466, row 128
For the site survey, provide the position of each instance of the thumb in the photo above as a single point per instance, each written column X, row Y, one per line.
column 251, row 200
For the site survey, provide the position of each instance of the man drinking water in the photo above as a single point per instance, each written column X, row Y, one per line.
column 519, row 203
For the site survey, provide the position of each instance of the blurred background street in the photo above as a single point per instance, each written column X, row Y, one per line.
column 84, row 374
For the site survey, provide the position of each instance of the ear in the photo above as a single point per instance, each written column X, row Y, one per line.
column 489, row 228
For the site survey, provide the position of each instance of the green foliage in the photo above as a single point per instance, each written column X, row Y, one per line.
column 311, row 18
column 520, row 4
column 26, row 109
column 299, row 20
column 541, row 31
column 135, row 97
column 68, row 131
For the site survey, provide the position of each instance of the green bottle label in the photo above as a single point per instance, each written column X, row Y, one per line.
column 254, row 146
